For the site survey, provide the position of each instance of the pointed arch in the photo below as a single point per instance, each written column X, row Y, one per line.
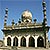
column 31, row 42
column 15, row 41
column 9, row 41
column 23, row 42
column 40, row 42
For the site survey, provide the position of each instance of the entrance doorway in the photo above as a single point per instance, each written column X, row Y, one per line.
column 9, row 41
column 40, row 42
column 15, row 41
column 31, row 42
column 23, row 42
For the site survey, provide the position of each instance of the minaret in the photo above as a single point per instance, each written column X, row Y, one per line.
column 6, row 15
column 13, row 23
column 44, row 12
column 44, row 25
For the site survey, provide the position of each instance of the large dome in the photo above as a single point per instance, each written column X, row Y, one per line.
column 27, row 14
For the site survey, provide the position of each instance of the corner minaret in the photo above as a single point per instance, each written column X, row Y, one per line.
column 6, row 15
column 45, row 25
column 44, row 12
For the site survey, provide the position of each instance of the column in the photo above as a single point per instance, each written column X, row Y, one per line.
column 47, row 40
column 44, row 41
column 35, row 42
column 5, row 41
column 11, row 41
column 27, row 41
column 19, row 40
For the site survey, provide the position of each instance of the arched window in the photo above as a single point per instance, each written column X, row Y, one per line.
column 23, row 42
column 9, row 41
column 15, row 41
column 31, row 42
column 40, row 42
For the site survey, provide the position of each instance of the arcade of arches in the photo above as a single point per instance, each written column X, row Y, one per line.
column 25, row 41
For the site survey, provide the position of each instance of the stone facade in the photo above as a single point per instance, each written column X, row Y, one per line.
column 1, row 43
column 26, row 33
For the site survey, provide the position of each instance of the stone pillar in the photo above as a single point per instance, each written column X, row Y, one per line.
column 35, row 40
column 27, row 41
column 5, row 41
column 19, row 41
column 44, row 41
column 11, row 41
column 47, row 40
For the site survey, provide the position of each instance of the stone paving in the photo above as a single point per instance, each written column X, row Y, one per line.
column 31, row 48
column 22, row 48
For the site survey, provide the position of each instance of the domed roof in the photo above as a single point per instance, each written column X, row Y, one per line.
column 27, row 14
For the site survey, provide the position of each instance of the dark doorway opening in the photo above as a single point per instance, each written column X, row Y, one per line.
column 40, row 42
column 23, row 42
column 15, row 42
column 31, row 42
column 9, row 41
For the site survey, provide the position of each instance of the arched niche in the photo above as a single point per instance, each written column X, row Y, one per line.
column 15, row 41
column 9, row 41
column 31, row 42
column 40, row 42
column 23, row 42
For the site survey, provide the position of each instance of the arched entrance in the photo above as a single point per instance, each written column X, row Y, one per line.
column 31, row 42
column 40, row 42
column 9, row 41
column 15, row 41
column 23, row 42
